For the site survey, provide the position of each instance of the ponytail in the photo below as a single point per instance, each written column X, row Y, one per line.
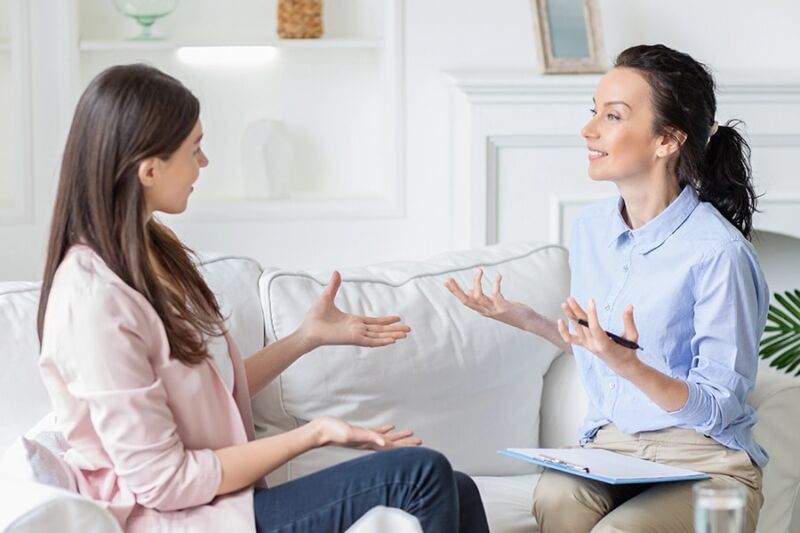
column 727, row 180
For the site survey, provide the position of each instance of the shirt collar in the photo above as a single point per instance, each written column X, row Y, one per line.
column 655, row 232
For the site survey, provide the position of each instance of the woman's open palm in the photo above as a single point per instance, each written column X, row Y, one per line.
column 494, row 306
column 340, row 433
column 326, row 324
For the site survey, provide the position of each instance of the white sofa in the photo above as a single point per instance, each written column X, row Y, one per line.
column 467, row 385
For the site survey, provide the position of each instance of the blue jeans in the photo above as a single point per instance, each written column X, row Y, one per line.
column 419, row 481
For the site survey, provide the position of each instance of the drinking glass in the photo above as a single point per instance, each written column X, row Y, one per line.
column 719, row 508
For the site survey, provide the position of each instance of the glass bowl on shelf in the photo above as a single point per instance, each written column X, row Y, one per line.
column 145, row 12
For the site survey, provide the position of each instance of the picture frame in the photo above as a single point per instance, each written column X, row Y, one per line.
column 569, row 35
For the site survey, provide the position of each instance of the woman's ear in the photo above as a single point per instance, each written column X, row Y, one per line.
column 147, row 172
column 670, row 143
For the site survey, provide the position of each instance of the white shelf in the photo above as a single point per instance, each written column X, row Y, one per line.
column 322, row 43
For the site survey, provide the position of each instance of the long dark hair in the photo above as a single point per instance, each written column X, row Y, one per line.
column 718, row 167
column 127, row 114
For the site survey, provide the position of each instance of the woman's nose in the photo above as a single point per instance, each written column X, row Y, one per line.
column 588, row 131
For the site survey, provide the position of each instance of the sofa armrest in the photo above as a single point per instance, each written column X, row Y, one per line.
column 776, row 398
column 29, row 506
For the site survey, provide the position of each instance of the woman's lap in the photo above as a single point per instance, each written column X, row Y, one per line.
column 417, row 480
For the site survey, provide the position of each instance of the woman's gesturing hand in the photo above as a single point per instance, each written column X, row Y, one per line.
column 495, row 306
column 334, row 431
column 326, row 324
column 618, row 358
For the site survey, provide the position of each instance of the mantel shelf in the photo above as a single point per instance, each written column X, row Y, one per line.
column 92, row 45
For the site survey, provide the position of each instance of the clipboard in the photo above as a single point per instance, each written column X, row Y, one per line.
column 603, row 465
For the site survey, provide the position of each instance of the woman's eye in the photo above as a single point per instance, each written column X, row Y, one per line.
column 612, row 116
column 593, row 111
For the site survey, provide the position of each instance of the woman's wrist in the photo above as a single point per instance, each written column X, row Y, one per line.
column 535, row 323
column 306, row 339
column 315, row 433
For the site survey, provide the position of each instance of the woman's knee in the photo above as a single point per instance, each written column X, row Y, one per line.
column 565, row 502
column 424, row 461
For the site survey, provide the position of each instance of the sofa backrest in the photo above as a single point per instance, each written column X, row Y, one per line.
column 24, row 399
column 466, row 384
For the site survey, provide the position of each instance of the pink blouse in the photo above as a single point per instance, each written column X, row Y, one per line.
column 142, row 427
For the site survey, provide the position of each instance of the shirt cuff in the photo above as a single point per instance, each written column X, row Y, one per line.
column 693, row 406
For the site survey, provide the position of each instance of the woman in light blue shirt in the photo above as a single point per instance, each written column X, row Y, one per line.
column 673, row 247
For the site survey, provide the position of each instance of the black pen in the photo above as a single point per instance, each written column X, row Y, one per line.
column 616, row 338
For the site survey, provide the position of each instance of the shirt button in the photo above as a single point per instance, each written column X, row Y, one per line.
column 625, row 268
column 607, row 307
column 612, row 385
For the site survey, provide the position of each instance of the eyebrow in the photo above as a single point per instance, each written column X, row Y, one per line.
column 198, row 139
column 612, row 103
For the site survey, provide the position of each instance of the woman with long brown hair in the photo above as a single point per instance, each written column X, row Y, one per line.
column 156, row 432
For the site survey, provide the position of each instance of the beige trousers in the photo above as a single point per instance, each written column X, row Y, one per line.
column 563, row 503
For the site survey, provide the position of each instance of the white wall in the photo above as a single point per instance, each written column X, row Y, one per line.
column 441, row 35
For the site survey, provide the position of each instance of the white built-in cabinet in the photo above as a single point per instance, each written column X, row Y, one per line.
column 301, row 128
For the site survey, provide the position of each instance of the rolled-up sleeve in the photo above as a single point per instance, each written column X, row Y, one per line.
column 108, row 365
column 729, row 316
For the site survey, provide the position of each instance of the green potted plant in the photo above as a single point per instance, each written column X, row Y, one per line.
column 781, row 341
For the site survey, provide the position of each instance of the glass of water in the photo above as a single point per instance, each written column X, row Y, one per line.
column 719, row 508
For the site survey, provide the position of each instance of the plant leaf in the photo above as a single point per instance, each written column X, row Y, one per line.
column 790, row 309
column 783, row 315
column 776, row 345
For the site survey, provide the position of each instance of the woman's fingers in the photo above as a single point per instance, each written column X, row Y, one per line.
column 452, row 286
column 381, row 320
column 363, row 436
column 464, row 298
column 400, row 328
column 411, row 441
column 384, row 334
column 566, row 335
column 477, row 285
column 594, row 324
column 368, row 342
column 631, row 333
column 575, row 309
column 333, row 286
column 496, row 286
column 399, row 435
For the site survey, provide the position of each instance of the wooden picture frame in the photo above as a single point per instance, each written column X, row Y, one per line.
column 569, row 36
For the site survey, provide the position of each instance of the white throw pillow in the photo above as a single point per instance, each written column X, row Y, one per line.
column 38, row 457
column 466, row 384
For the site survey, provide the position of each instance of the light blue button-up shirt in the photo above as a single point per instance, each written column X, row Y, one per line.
column 700, row 305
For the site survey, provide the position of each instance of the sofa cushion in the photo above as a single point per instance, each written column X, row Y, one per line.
column 480, row 380
column 25, row 399
column 508, row 501
column 234, row 281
